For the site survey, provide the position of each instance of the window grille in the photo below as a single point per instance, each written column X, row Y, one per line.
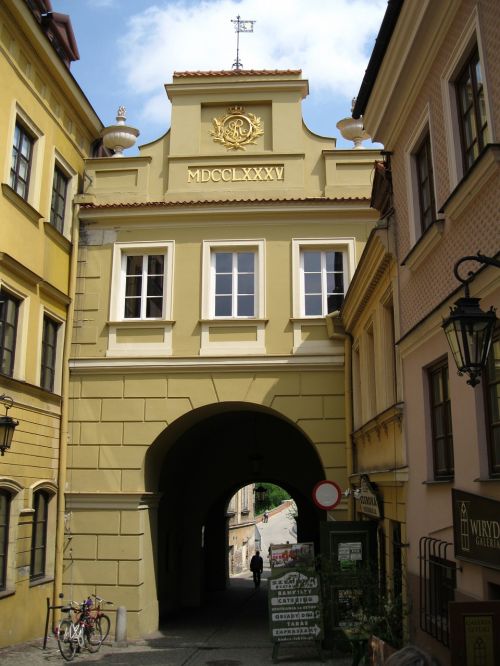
column 438, row 581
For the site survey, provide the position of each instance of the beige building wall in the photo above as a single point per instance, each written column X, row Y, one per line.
column 39, row 93
column 138, row 387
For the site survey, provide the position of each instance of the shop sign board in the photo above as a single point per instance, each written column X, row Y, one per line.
column 295, row 606
column 476, row 527
column 474, row 635
column 369, row 503
column 290, row 556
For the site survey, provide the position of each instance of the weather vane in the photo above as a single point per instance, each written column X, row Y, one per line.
column 240, row 26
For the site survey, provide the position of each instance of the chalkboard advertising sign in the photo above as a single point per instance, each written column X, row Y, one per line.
column 295, row 606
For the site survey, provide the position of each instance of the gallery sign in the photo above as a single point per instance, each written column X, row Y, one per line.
column 476, row 527
column 368, row 499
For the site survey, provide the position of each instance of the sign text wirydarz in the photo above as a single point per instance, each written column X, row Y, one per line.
column 476, row 527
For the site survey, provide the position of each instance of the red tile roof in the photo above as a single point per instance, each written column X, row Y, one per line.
column 204, row 202
column 238, row 72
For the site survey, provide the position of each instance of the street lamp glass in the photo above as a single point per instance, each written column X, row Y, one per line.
column 469, row 331
column 7, row 427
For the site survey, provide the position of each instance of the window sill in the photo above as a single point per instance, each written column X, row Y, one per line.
column 6, row 593
column 490, row 479
column 438, row 482
column 234, row 321
column 425, row 244
column 141, row 323
column 481, row 172
column 41, row 581
column 27, row 209
column 56, row 236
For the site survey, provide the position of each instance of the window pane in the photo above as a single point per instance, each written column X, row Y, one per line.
column 245, row 306
column 155, row 285
column 312, row 283
column 134, row 265
column 245, row 284
column 133, row 286
column 334, row 302
column 246, row 262
column 132, row 308
column 223, row 306
column 223, row 284
column 223, row 262
column 312, row 261
column 313, row 305
column 154, row 308
column 155, row 264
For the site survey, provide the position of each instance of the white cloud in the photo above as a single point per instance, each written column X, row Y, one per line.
column 330, row 40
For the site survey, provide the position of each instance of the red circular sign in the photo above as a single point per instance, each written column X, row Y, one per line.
column 326, row 495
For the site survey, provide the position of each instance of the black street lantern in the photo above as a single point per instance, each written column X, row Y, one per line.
column 7, row 425
column 469, row 329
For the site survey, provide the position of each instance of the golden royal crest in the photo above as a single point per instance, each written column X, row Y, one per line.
column 237, row 129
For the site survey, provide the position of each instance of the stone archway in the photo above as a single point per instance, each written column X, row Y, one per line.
column 196, row 465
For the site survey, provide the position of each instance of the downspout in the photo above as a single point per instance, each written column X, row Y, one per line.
column 333, row 324
column 63, row 437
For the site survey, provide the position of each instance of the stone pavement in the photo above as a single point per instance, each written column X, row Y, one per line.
column 231, row 630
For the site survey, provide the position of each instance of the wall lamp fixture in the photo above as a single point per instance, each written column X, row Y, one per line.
column 469, row 329
column 7, row 424
column 260, row 493
column 355, row 492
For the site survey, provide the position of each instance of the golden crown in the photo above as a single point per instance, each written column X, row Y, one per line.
column 236, row 109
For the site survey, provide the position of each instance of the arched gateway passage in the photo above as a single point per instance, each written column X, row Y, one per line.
column 196, row 465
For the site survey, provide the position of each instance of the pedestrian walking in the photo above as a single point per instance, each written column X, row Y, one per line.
column 256, row 567
column 266, row 516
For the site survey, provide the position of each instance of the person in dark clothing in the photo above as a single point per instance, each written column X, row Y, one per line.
column 256, row 567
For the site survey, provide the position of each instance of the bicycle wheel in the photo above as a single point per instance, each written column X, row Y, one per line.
column 105, row 626
column 92, row 635
column 67, row 646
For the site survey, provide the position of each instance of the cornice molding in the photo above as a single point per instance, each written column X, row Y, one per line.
column 410, row 54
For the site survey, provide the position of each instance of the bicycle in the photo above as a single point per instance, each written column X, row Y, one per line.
column 79, row 629
column 101, row 619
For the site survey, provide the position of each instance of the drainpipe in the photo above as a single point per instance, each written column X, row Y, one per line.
column 335, row 331
column 63, row 437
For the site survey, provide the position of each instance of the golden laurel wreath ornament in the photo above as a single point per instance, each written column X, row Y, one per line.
column 236, row 129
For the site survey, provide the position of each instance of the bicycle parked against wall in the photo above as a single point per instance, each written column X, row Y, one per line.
column 101, row 619
column 83, row 626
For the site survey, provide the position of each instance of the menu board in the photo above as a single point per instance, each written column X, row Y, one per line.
column 295, row 610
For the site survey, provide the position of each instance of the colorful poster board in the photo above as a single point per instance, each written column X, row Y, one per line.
column 290, row 556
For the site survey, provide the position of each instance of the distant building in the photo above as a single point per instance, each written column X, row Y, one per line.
column 241, row 530
column 47, row 128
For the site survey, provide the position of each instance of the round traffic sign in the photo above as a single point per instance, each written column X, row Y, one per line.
column 326, row 495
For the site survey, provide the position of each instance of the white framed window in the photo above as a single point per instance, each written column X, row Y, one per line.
column 233, row 297
column 25, row 166
column 64, row 184
column 141, row 298
column 14, row 317
column 11, row 504
column 321, row 272
column 51, row 336
column 466, row 101
column 142, row 281
column 233, row 275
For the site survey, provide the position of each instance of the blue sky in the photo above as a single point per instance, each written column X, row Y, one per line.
column 130, row 48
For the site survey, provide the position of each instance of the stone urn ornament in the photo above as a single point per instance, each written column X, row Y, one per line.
column 120, row 136
column 352, row 130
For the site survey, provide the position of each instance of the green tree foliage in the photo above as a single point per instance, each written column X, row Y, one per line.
column 274, row 496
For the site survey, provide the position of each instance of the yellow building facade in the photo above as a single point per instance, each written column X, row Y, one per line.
column 46, row 130
column 201, row 358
